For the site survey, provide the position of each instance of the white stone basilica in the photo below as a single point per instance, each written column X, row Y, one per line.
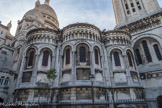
column 126, row 62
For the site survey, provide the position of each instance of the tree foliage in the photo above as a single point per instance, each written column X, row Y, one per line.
column 51, row 74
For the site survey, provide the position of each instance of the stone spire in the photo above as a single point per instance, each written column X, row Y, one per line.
column 47, row 2
column 9, row 25
column 37, row 3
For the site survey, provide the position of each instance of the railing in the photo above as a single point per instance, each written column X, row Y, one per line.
column 104, row 104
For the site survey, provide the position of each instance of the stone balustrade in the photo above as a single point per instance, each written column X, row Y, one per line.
column 117, row 38
column 81, row 31
column 42, row 35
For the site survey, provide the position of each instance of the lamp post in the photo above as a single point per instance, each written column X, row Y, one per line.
column 92, row 78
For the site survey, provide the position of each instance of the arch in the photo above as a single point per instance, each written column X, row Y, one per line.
column 145, row 46
column 46, row 54
column 51, row 49
column 30, row 58
column 153, row 36
column 89, row 46
column 67, row 54
column 46, row 58
column 146, row 50
column 117, row 58
column 97, row 55
column 99, row 47
column 65, row 46
column 128, row 49
column 1, row 100
column 159, row 100
column 115, row 48
column 83, row 54
column 30, row 47
column 130, row 58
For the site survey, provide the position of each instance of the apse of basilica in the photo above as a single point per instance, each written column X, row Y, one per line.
column 126, row 63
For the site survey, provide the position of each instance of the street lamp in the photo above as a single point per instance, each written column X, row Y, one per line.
column 92, row 78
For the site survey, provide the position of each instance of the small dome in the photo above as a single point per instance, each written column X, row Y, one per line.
column 46, row 9
column 44, row 14
column 33, row 14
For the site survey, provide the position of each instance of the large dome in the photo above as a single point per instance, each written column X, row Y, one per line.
column 44, row 14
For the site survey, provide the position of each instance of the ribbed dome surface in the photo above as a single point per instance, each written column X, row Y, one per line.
column 45, row 14
column 46, row 9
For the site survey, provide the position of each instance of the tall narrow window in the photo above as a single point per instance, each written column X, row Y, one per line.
column 117, row 59
column 1, row 80
column 31, row 58
column 139, row 59
column 6, row 81
column 68, row 56
column 96, row 56
column 45, row 58
column 138, row 4
column 157, row 51
column 147, row 52
column 130, row 59
column 126, row 7
column 82, row 54
column 132, row 6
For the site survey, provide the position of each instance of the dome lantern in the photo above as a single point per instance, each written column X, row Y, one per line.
column 37, row 3
column 47, row 2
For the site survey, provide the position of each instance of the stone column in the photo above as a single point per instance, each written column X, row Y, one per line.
column 53, row 61
column 35, row 70
column 73, row 94
column 73, row 71
column 56, row 96
column 129, row 78
column 92, row 62
column 57, row 65
column 110, row 71
column 106, row 67
column 136, row 68
column 21, row 71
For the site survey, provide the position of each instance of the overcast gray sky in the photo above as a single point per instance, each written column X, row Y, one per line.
column 97, row 12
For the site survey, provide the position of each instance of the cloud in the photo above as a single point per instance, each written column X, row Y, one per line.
column 97, row 12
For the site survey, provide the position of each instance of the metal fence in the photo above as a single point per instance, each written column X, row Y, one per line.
column 134, row 103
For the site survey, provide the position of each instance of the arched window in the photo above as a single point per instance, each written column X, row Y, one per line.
column 82, row 54
column 147, row 52
column 130, row 59
column 31, row 58
column 6, row 81
column 157, row 51
column 139, row 59
column 96, row 56
column 45, row 58
column 68, row 56
column 117, row 59
column 159, row 100
column 1, row 80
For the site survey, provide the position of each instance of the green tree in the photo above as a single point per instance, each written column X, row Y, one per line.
column 51, row 75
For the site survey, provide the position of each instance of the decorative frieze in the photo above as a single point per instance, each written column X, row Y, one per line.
column 142, row 24
column 117, row 38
